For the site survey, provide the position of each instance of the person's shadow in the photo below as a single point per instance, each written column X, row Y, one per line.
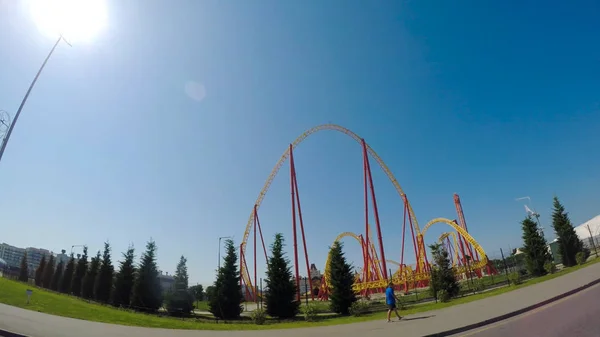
column 416, row 318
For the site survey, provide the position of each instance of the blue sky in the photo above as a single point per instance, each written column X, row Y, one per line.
column 493, row 101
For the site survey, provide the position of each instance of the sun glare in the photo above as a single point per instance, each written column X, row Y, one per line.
column 76, row 20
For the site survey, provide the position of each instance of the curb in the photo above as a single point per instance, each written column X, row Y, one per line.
column 5, row 333
column 513, row 313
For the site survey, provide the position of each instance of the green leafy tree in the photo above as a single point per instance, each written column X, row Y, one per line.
column 442, row 275
column 58, row 272
column 341, row 276
column 24, row 269
column 67, row 278
column 124, row 280
column 226, row 300
column 79, row 273
column 569, row 243
column 281, row 295
column 535, row 248
column 39, row 272
column 197, row 292
column 210, row 292
column 104, row 279
column 87, row 285
column 180, row 301
column 147, row 292
column 48, row 272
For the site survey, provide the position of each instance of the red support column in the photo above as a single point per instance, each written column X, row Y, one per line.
column 262, row 239
column 366, row 238
column 294, row 223
column 255, row 285
column 302, row 231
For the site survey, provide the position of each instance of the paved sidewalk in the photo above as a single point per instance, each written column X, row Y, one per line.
column 36, row 324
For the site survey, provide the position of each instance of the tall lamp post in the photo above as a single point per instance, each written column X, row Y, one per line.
column 532, row 212
column 12, row 125
column 73, row 246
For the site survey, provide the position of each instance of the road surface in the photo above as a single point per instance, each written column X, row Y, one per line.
column 573, row 316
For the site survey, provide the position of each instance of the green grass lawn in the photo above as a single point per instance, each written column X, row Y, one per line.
column 13, row 293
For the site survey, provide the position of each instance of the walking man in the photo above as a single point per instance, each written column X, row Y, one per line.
column 390, row 300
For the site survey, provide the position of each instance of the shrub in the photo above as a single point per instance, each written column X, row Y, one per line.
column 478, row 285
column 514, row 278
column 310, row 312
column 443, row 296
column 259, row 316
column 550, row 267
column 359, row 308
column 580, row 258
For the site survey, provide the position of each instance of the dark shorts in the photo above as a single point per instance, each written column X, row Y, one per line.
column 391, row 306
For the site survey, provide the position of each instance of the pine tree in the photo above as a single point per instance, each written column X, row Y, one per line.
column 281, row 295
column 79, row 273
column 67, row 278
column 226, row 299
column 569, row 243
column 341, row 276
column 24, row 269
column 535, row 248
column 124, row 280
column 48, row 272
column 58, row 272
column 39, row 272
column 442, row 275
column 180, row 301
column 104, row 279
column 147, row 292
column 87, row 285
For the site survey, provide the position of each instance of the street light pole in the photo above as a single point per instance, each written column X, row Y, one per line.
column 14, row 121
column 73, row 246
column 535, row 214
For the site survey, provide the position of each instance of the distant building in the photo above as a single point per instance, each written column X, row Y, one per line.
column 166, row 281
column 12, row 256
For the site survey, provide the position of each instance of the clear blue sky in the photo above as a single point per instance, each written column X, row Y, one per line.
column 491, row 101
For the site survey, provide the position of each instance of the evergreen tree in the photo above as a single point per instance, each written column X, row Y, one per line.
column 67, row 278
column 226, row 299
column 24, row 269
column 104, row 279
column 48, row 272
column 180, row 301
column 39, row 272
column 569, row 243
column 124, row 280
column 147, row 292
column 535, row 248
column 210, row 292
column 58, row 272
column 442, row 275
column 87, row 285
column 197, row 292
column 281, row 295
column 79, row 273
column 341, row 278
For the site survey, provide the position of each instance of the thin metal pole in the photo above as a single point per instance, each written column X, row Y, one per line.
column 592, row 239
column 14, row 121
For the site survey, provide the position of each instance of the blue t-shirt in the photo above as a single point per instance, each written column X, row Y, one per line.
column 389, row 296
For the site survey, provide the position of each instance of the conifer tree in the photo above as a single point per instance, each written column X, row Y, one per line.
column 24, row 269
column 569, row 243
column 147, row 292
column 281, row 295
column 87, row 285
column 104, row 280
column 180, row 301
column 39, row 272
column 79, row 273
column 67, row 278
column 442, row 275
column 535, row 248
column 341, row 278
column 58, row 272
column 48, row 272
column 124, row 279
column 226, row 299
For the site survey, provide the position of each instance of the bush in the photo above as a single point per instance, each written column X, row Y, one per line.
column 359, row 308
column 580, row 258
column 478, row 285
column 550, row 267
column 310, row 312
column 514, row 278
column 443, row 296
column 259, row 316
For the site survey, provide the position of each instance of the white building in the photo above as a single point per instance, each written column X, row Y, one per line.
column 589, row 229
column 13, row 255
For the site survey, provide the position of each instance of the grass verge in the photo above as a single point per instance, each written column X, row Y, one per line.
column 13, row 293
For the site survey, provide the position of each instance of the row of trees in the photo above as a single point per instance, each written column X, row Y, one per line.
column 132, row 286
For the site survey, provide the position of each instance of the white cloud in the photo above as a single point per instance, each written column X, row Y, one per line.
column 195, row 90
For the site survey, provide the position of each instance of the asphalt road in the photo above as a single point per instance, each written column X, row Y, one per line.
column 574, row 316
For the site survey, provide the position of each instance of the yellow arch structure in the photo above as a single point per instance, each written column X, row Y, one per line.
column 455, row 242
column 286, row 155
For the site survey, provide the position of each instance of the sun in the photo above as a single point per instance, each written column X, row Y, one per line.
column 75, row 20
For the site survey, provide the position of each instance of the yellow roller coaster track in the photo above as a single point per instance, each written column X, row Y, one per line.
column 286, row 155
column 443, row 237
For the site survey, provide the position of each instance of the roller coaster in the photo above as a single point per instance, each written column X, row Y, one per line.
column 467, row 256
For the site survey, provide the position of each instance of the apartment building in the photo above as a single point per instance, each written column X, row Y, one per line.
column 13, row 255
